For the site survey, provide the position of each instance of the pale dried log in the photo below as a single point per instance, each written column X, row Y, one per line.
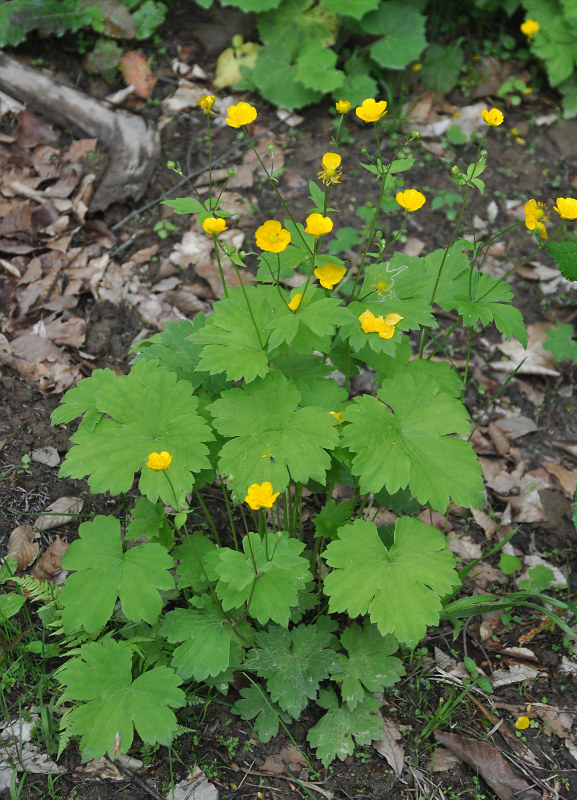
column 132, row 143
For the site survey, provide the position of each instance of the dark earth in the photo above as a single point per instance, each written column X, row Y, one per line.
column 220, row 744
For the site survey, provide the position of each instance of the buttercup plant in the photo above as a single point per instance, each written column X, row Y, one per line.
column 255, row 400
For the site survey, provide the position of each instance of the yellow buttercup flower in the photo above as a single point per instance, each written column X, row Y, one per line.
column 159, row 461
column 535, row 216
column 371, row 110
column 331, row 171
column 343, row 106
column 384, row 327
column 493, row 117
column 329, row 275
column 213, row 226
column 206, row 102
column 338, row 415
column 295, row 302
column 410, row 199
column 566, row 207
column 240, row 114
column 530, row 27
column 260, row 495
column 318, row 225
column 272, row 237
column 522, row 723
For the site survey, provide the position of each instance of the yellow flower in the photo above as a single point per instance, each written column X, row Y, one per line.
column 343, row 106
column 410, row 199
column 417, row 67
column 338, row 415
column 493, row 117
column 318, row 225
column 329, row 275
column 213, row 226
column 295, row 302
column 522, row 723
column 159, row 461
column 271, row 236
column 370, row 110
column 566, row 207
column 535, row 216
column 240, row 114
column 384, row 327
column 530, row 27
column 260, row 495
column 206, row 102
column 331, row 171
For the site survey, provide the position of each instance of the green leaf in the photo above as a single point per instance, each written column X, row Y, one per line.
column 309, row 375
column 185, row 205
column 140, row 421
column 317, row 195
column 148, row 17
column 399, row 587
column 252, row 5
column 565, row 254
column 332, row 516
column 295, row 26
column 231, row 342
column 403, row 440
column 55, row 17
column 194, row 569
column 404, row 34
column 351, row 8
column 104, row 573
column 274, row 77
column 267, row 716
column 335, row 735
column 278, row 441
column 108, row 704
column 10, row 604
column 357, row 87
column 539, row 580
column 81, row 399
column 442, row 67
column 509, row 564
column 149, row 519
column 268, row 576
column 293, row 663
column 315, row 69
column 206, row 636
column 320, row 314
column 556, row 48
column 370, row 663
column 561, row 343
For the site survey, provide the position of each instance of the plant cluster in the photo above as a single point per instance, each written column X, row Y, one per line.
column 110, row 20
column 255, row 401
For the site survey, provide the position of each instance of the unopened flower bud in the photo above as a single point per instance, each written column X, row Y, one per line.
column 170, row 165
column 231, row 173
column 455, row 170
column 415, row 134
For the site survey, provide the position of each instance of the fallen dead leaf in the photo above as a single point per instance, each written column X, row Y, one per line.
column 566, row 478
column 288, row 759
column 48, row 565
column 517, row 673
column 135, row 68
column 485, row 522
column 389, row 746
column 444, row 760
column 490, row 764
column 537, row 360
column 517, row 425
column 558, row 721
column 22, row 547
column 46, row 455
column 60, row 512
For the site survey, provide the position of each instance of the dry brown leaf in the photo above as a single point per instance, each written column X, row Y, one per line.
column 22, row 547
column 48, row 565
column 46, row 455
column 288, row 759
column 516, row 426
column 490, row 764
column 60, row 512
column 500, row 441
column 464, row 547
column 485, row 522
column 558, row 721
column 135, row 68
column 567, row 478
column 517, row 673
column 444, row 760
column 537, row 360
column 389, row 746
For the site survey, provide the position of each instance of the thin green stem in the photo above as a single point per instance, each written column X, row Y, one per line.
column 229, row 512
column 218, row 261
column 208, row 516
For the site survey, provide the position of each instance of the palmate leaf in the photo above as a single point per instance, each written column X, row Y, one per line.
column 279, row 441
column 293, row 663
column 401, row 587
column 104, row 573
column 315, row 69
column 267, row 716
column 206, row 637
column 309, row 374
column 148, row 411
column 274, row 77
column 495, row 307
column 565, row 254
column 335, row 735
column 319, row 314
column 351, row 8
column 405, row 442
column 268, row 576
column 194, row 568
column 231, row 342
column 370, row 663
column 404, row 34
column 561, row 343
column 109, row 704
column 81, row 399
